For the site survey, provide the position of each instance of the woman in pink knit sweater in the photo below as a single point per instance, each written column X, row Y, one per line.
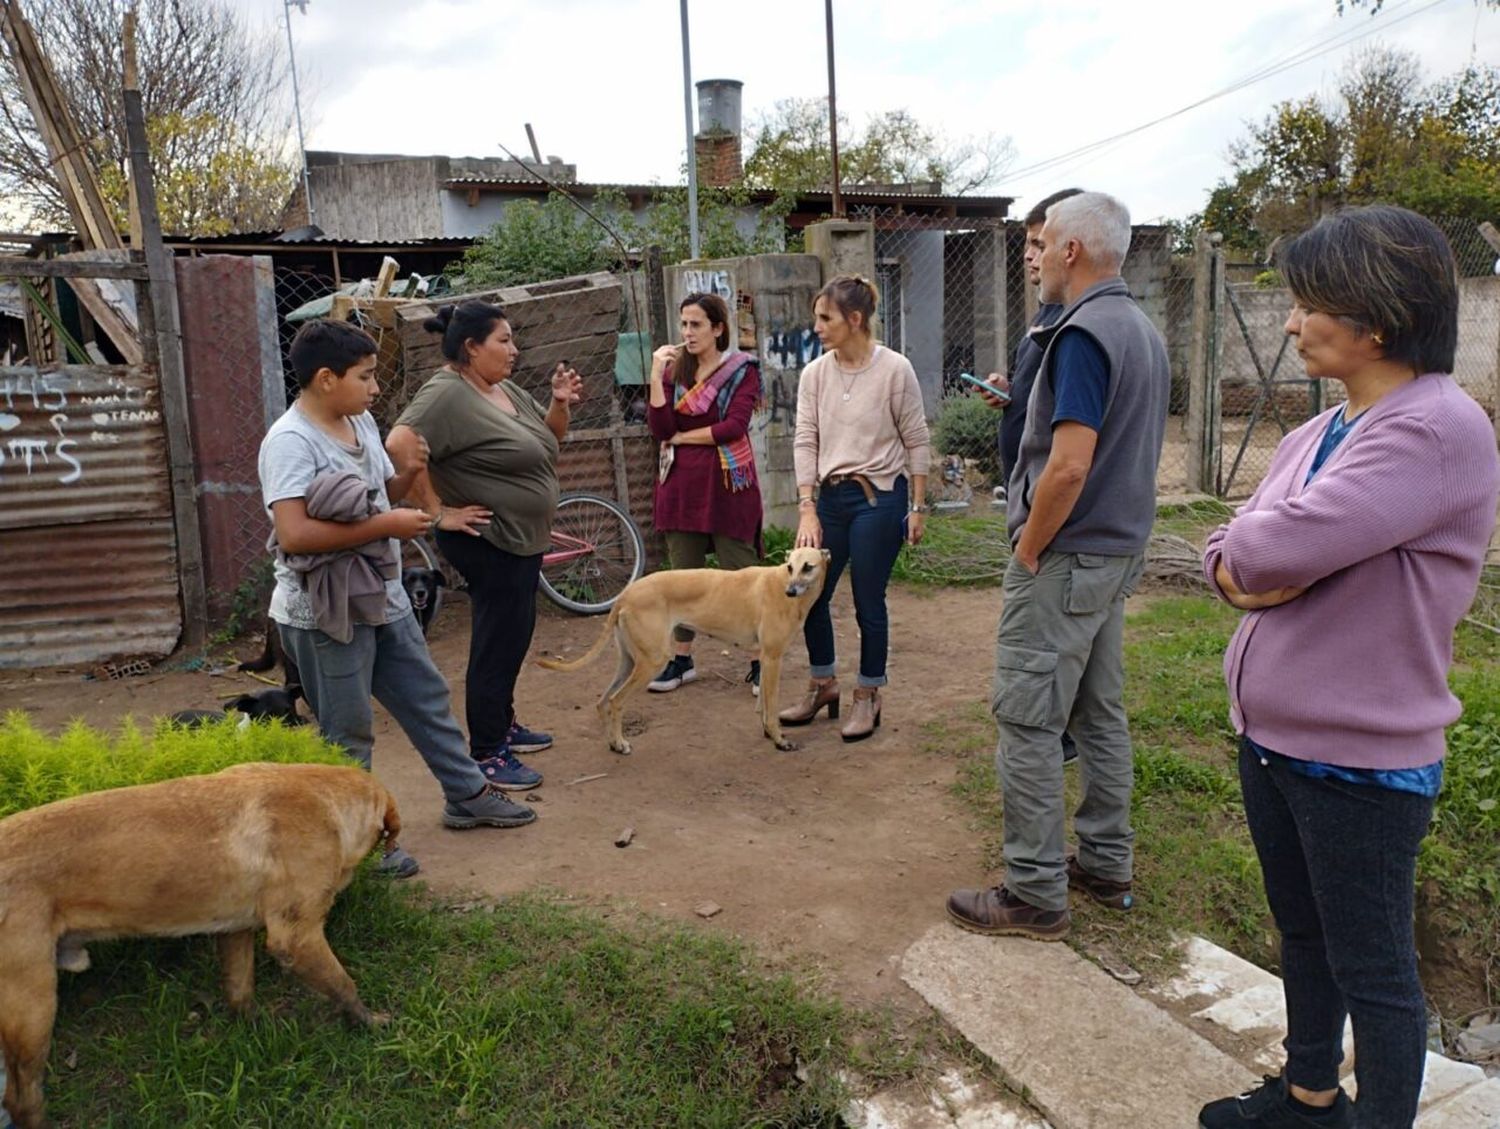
column 861, row 455
column 1354, row 561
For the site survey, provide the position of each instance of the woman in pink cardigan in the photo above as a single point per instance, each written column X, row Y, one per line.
column 1354, row 561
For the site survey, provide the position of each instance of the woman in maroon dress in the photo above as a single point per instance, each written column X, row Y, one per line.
column 707, row 493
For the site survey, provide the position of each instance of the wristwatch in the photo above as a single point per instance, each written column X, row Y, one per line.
column 920, row 507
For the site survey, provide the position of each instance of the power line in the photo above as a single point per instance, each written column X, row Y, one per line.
column 1287, row 62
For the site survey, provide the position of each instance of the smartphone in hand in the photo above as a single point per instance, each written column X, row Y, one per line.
column 985, row 387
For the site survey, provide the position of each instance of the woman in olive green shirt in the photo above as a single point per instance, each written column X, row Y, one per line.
column 490, row 456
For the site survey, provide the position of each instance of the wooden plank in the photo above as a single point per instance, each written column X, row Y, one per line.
column 121, row 332
column 161, row 302
column 14, row 267
column 387, row 275
column 59, row 131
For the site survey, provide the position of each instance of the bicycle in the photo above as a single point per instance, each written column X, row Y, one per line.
column 597, row 551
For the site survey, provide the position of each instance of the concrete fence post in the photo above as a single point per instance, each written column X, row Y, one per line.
column 1203, row 416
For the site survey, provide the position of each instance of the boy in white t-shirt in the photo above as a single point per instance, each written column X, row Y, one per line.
column 329, row 429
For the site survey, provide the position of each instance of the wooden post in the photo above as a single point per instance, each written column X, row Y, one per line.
column 656, row 299
column 132, row 82
column 164, row 340
column 1203, row 424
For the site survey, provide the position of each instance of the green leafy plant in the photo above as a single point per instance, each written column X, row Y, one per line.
column 968, row 427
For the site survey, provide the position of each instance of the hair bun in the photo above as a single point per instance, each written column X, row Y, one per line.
column 439, row 323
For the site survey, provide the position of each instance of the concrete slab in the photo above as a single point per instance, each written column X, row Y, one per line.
column 1208, row 970
column 1247, row 999
column 952, row 1104
column 1086, row 1050
column 1477, row 1107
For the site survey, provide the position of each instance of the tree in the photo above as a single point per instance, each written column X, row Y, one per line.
column 789, row 151
column 555, row 239
column 535, row 242
column 1386, row 138
column 214, row 94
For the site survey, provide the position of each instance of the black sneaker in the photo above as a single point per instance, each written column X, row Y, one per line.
column 1268, row 1106
column 678, row 672
column 1069, row 749
column 523, row 740
column 753, row 678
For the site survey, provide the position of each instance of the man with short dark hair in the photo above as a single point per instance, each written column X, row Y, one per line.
column 1028, row 355
column 1081, row 506
column 1028, row 359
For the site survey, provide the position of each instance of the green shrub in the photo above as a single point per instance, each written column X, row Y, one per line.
column 776, row 543
column 968, row 427
column 36, row 769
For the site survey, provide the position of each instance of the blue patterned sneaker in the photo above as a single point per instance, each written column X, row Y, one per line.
column 505, row 771
column 523, row 740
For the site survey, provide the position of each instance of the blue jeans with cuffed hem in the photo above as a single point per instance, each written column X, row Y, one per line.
column 1339, row 862
column 868, row 539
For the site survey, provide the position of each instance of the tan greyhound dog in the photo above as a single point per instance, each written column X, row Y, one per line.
column 752, row 607
column 254, row 845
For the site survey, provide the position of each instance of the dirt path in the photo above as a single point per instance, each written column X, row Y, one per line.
column 839, row 853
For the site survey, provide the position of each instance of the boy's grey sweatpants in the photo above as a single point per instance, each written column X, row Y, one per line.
column 391, row 663
column 1059, row 664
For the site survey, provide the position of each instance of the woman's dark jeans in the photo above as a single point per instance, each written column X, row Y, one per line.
column 502, row 600
column 867, row 538
column 1339, row 862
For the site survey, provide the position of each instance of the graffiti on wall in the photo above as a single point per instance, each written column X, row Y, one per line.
column 790, row 348
column 40, row 415
column 708, row 282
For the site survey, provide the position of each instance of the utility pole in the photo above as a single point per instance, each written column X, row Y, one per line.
column 291, row 52
column 833, row 117
column 692, row 154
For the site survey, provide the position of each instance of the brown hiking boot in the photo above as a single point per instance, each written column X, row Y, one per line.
column 998, row 912
column 864, row 718
column 820, row 692
column 1105, row 891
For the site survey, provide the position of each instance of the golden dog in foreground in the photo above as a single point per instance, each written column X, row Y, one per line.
column 752, row 607
column 254, row 845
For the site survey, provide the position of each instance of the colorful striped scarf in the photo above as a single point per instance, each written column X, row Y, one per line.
column 736, row 459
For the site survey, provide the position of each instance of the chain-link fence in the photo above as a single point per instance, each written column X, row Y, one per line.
column 955, row 299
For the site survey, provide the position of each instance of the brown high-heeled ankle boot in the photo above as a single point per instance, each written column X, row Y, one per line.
column 864, row 718
column 820, row 692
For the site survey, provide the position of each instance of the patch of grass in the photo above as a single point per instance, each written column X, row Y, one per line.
column 1193, row 521
column 1196, row 869
column 526, row 1013
column 972, row 548
column 965, row 550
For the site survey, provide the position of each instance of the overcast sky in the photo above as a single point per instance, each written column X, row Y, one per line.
column 601, row 80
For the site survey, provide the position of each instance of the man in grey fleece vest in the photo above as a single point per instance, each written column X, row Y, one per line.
column 1081, row 503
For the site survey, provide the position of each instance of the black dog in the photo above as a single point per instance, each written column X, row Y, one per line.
column 422, row 586
column 273, row 654
column 277, row 702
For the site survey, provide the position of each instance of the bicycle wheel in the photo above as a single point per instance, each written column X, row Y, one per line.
column 597, row 550
column 422, row 553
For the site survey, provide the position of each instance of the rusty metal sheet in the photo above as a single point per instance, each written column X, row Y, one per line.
column 88, row 592
column 80, row 443
column 87, row 544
